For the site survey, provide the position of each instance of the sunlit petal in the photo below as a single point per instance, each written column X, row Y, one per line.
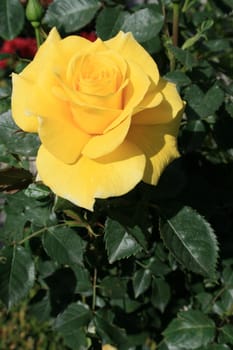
column 82, row 182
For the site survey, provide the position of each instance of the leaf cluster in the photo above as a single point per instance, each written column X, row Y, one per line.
column 152, row 269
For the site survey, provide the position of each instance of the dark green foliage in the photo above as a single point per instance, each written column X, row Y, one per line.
column 152, row 269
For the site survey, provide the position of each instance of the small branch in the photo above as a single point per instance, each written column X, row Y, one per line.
column 175, row 22
column 36, row 233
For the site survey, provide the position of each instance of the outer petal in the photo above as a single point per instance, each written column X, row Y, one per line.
column 47, row 60
column 100, row 145
column 168, row 109
column 130, row 49
column 62, row 138
column 112, row 175
column 158, row 142
column 23, row 117
column 46, row 55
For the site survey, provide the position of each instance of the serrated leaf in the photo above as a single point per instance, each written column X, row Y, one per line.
column 226, row 334
column 75, row 316
column 160, row 294
column 15, row 140
column 64, row 245
column 76, row 340
column 109, row 21
column 178, row 77
column 144, row 24
column 204, row 104
column 141, row 281
column 191, row 330
column 109, row 332
column 9, row 11
column 119, row 243
column 71, row 15
column 215, row 347
column 191, row 240
column 83, row 284
column 17, row 274
column 113, row 287
column 139, row 235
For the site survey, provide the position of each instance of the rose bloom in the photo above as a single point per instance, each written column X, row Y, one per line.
column 105, row 118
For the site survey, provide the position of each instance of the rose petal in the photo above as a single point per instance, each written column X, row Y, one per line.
column 133, row 94
column 82, row 182
column 131, row 50
column 158, row 142
column 100, row 145
column 62, row 138
column 167, row 110
column 23, row 117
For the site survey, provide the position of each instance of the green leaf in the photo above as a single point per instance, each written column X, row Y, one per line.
column 215, row 347
column 17, row 141
column 178, row 77
column 109, row 332
column 9, row 11
column 71, row 15
column 144, row 24
column 41, row 309
column 119, row 243
column 224, row 306
column 37, row 191
column 191, row 330
column 83, row 285
column 17, row 274
column 193, row 134
column 113, row 287
column 141, row 281
column 110, row 21
column 12, row 178
column 204, row 104
column 226, row 334
column 76, row 340
column 183, row 56
column 75, row 316
column 139, row 235
column 160, row 294
column 64, row 245
column 228, row 276
column 191, row 240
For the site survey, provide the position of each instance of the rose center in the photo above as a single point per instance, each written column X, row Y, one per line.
column 96, row 75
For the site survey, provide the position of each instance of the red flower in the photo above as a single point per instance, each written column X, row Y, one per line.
column 89, row 35
column 23, row 47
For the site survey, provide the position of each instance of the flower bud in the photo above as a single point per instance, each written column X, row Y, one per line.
column 34, row 12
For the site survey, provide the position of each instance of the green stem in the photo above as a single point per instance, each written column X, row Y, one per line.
column 94, row 289
column 36, row 233
column 37, row 35
column 175, row 22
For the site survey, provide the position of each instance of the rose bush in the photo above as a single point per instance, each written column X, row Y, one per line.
column 105, row 117
column 24, row 47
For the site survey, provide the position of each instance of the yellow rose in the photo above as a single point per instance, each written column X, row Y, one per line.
column 108, row 347
column 105, row 118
